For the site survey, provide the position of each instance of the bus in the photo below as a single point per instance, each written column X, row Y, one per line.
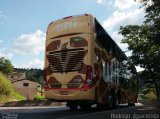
column 85, row 66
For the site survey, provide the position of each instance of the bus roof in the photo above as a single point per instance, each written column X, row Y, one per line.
column 70, row 25
column 108, row 43
column 70, row 17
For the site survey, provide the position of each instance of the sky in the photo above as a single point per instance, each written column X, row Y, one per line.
column 23, row 24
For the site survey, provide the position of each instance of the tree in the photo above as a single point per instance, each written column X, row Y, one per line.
column 5, row 66
column 143, row 40
column 35, row 75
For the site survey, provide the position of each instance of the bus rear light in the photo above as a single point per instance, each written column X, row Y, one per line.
column 89, row 78
column 89, row 72
column 46, row 86
column 86, row 14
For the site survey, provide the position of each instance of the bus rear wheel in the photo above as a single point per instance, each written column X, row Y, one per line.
column 113, row 100
column 101, row 106
column 85, row 106
column 131, row 104
column 72, row 105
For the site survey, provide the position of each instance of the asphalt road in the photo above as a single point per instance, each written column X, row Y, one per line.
column 51, row 112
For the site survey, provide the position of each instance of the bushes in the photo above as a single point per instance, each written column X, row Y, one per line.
column 17, row 96
column 149, row 93
column 6, row 87
column 5, row 66
column 39, row 97
column 150, row 96
column 7, row 92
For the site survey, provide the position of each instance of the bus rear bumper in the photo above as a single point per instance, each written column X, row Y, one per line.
column 68, row 94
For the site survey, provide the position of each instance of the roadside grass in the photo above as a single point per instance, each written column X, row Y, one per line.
column 17, row 96
column 150, row 96
column 6, row 87
column 39, row 97
column 7, row 92
column 13, row 97
column 149, row 93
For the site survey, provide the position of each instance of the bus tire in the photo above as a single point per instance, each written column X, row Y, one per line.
column 101, row 106
column 131, row 104
column 114, row 103
column 85, row 106
column 72, row 105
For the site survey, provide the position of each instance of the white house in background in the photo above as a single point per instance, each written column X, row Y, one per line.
column 23, row 86
column 26, row 88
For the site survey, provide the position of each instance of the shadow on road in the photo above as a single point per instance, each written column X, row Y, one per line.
column 31, row 103
column 93, row 113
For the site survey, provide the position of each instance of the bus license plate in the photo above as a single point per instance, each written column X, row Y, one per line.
column 63, row 92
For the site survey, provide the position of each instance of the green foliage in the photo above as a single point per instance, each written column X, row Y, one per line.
column 5, row 66
column 6, row 87
column 150, row 96
column 7, row 92
column 17, row 96
column 39, row 97
column 144, row 43
column 148, row 93
column 5, row 98
column 13, row 97
column 148, row 90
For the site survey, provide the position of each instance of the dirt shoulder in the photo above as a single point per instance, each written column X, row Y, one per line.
column 32, row 103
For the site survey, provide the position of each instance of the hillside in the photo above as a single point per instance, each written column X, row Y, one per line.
column 7, row 92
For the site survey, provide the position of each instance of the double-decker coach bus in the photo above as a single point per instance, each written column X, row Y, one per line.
column 84, row 66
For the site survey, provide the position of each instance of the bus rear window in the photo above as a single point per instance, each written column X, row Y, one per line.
column 78, row 42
